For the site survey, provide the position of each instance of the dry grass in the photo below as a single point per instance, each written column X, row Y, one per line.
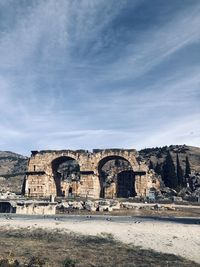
column 54, row 249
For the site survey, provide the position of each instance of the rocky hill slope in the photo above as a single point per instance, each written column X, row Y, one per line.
column 178, row 165
column 156, row 157
column 12, row 170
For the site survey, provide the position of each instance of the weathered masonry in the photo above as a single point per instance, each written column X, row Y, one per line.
column 47, row 175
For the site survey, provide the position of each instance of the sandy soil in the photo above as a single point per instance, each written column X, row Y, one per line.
column 163, row 236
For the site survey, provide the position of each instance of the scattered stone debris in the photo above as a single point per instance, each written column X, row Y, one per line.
column 89, row 205
column 177, row 199
column 157, row 206
column 8, row 195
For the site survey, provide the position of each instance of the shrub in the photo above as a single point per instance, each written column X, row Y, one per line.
column 69, row 263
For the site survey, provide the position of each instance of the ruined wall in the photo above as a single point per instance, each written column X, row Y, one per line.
column 36, row 208
column 145, row 183
column 40, row 179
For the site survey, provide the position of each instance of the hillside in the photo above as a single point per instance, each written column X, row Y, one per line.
column 156, row 156
column 12, row 169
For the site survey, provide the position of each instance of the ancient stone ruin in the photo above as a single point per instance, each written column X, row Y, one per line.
column 109, row 173
column 28, row 207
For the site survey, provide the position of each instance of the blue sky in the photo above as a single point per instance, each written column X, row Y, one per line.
column 99, row 74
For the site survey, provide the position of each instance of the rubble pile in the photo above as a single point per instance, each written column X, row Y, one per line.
column 8, row 195
column 192, row 191
column 89, row 205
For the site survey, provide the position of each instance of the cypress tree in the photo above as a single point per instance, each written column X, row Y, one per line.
column 179, row 171
column 169, row 173
column 151, row 165
column 187, row 167
column 158, row 169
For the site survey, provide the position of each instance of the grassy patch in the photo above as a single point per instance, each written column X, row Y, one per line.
column 53, row 249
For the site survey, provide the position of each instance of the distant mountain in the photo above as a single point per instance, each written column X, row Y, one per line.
column 12, row 170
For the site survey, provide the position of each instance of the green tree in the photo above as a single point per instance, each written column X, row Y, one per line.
column 187, row 167
column 151, row 165
column 179, row 171
column 169, row 173
column 158, row 169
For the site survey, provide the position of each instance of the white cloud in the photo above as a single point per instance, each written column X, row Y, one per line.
column 154, row 46
column 184, row 131
column 54, row 95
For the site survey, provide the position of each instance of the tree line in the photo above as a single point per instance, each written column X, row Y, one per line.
column 173, row 175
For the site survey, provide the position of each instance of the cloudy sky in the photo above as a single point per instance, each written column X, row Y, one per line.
column 99, row 74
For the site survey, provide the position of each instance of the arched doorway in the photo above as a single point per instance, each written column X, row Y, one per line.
column 116, row 177
column 6, row 207
column 126, row 184
column 66, row 170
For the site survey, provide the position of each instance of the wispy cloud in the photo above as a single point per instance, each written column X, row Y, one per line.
column 185, row 131
column 154, row 46
column 98, row 73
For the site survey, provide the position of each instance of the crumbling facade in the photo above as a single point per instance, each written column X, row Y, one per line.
column 31, row 207
column 44, row 180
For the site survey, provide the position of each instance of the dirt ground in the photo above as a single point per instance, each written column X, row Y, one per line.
column 144, row 211
column 146, row 237
column 39, row 247
column 149, row 230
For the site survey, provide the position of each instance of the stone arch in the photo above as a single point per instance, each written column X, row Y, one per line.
column 40, row 174
column 57, row 154
column 129, row 155
column 117, row 187
column 55, row 163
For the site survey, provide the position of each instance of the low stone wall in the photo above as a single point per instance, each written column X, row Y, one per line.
column 36, row 208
